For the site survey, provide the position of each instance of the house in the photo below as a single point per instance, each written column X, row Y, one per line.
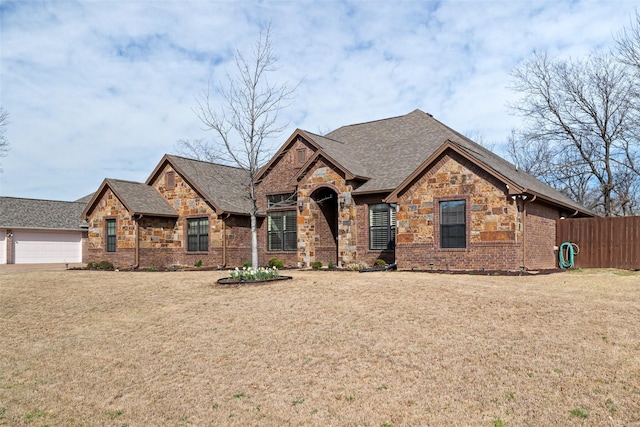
column 406, row 189
column 41, row 231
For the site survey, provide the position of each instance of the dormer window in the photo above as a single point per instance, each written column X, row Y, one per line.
column 170, row 180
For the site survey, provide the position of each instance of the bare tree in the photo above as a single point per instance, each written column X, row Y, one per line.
column 4, row 144
column 246, row 119
column 580, row 132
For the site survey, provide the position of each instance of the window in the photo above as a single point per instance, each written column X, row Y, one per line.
column 382, row 227
column 281, row 229
column 170, row 180
column 197, row 234
column 281, row 200
column 453, row 224
column 111, row 235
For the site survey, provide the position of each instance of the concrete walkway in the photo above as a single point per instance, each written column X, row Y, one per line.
column 23, row 268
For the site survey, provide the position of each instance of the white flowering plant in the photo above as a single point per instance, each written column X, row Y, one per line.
column 248, row 274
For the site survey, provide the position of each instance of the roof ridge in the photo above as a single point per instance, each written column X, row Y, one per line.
column 204, row 161
column 383, row 119
column 39, row 200
column 125, row 180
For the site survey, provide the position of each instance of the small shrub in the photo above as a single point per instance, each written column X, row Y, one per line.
column 198, row 263
column 331, row 265
column 247, row 264
column 380, row 262
column 275, row 262
column 316, row 265
column 105, row 265
column 92, row 266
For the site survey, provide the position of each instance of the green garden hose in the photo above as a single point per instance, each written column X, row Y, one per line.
column 567, row 247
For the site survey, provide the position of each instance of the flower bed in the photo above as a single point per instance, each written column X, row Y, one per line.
column 248, row 275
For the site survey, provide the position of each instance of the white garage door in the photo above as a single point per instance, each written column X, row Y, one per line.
column 32, row 247
column 3, row 246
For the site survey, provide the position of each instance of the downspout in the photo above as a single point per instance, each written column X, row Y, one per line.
column 137, row 241
column 224, row 240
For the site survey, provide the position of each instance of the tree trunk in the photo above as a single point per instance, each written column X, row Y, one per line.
column 254, row 242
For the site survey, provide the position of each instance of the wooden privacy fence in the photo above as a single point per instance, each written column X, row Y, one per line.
column 612, row 242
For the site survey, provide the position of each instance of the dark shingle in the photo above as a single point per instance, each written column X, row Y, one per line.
column 40, row 214
column 390, row 150
column 140, row 198
column 224, row 186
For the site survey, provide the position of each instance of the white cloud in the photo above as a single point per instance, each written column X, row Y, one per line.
column 103, row 89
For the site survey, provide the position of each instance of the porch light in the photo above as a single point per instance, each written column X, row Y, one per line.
column 342, row 202
column 300, row 205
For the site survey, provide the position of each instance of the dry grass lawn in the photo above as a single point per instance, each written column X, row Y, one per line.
column 333, row 349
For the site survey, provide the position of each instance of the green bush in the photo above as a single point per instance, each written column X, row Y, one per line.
column 198, row 263
column 380, row 262
column 103, row 265
column 246, row 264
column 316, row 265
column 92, row 265
column 275, row 262
column 331, row 265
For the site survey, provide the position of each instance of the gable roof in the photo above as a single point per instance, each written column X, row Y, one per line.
column 390, row 151
column 40, row 214
column 137, row 198
column 223, row 187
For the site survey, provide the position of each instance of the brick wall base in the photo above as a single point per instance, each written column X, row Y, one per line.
column 494, row 256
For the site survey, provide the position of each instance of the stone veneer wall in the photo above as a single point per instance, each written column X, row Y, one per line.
column 110, row 207
column 322, row 174
column 188, row 204
column 494, row 238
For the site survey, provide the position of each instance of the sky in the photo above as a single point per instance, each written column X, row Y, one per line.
column 103, row 89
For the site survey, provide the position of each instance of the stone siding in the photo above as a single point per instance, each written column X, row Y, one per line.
column 311, row 221
column 110, row 207
column 493, row 221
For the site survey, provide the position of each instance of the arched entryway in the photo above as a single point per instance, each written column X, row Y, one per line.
column 324, row 211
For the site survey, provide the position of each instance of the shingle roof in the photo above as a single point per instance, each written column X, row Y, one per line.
column 140, row 198
column 340, row 152
column 390, row 150
column 40, row 214
column 225, row 187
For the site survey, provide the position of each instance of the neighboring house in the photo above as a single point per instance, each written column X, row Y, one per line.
column 41, row 231
column 406, row 189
